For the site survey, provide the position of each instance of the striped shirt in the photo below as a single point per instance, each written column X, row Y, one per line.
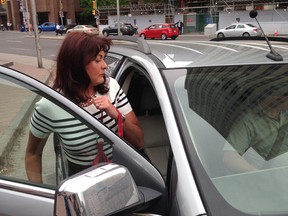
column 79, row 141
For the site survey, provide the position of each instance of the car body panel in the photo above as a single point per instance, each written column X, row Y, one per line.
column 239, row 29
column 158, row 30
column 84, row 28
column 47, row 26
column 211, row 53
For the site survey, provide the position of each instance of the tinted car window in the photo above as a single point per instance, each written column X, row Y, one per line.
column 227, row 109
column 231, row 27
column 15, row 117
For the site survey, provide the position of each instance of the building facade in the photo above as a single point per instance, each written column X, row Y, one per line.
column 195, row 14
column 19, row 12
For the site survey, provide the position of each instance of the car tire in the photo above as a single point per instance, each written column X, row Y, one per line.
column 163, row 36
column 246, row 34
column 143, row 36
column 105, row 34
column 39, row 31
column 220, row 35
column 173, row 38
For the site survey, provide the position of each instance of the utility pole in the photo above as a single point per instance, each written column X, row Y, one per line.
column 94, row 11
column 28, row 18
column 35, row 27
column 61, row 14
column 118, row 17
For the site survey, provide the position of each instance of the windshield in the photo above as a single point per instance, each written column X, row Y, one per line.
column 237, row 121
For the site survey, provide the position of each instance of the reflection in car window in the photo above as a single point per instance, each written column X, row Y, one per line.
column 112, row 60
column 231, row 27
column 15, row 117
column 14, row 132
column 243, row 110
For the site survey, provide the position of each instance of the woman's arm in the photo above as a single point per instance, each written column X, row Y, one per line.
column 236, row 163
column 133, row 132
column 33, row 158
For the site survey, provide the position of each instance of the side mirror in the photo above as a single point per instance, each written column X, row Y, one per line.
column 101, row 190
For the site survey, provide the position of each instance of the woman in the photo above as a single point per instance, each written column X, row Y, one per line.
column 80, row 76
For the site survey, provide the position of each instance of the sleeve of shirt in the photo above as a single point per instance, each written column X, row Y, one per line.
column 121, row 101
column 239, row 138
column 39, row 123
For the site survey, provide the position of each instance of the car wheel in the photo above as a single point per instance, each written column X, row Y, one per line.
column 39, row 30
column 174, row 37
column 105, row 34
column 163, row 36
column 220, row 35
column 143, row 36
column 246, row 34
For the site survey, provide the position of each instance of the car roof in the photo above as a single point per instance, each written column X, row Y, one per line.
column 163, row 24
column 209, row 53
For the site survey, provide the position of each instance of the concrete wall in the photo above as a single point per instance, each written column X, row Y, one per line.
column 271, row 21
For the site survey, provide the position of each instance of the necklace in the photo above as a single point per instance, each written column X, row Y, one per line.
column 88, row 102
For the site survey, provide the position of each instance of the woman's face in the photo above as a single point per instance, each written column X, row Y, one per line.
column 96, row 69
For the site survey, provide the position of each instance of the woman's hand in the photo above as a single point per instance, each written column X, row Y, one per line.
column 102, row 103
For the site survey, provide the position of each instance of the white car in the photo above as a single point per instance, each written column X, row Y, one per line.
column 187, row 97
column 84, row 28
column 238, row 30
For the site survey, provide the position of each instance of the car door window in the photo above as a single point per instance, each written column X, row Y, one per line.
column 144, row 101
column 231, row 27
column 15, row 114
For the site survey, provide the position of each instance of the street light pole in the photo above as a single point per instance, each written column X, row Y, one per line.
column 118, row 17
column 35, row 27
column 28, row 18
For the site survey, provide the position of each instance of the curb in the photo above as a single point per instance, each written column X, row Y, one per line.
column 7, row 64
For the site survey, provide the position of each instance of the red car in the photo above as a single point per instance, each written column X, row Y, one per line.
column 161, row 30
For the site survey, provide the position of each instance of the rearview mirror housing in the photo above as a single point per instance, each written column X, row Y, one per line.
column 99, row 190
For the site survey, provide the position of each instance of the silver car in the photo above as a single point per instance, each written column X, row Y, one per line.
column 187, row 97
column 238, row 30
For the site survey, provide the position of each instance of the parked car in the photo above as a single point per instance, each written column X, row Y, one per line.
column 84, row 28
column 67, row 27
column 125, row 29
column 161, row 30
column 48, row 26
column 187, row 98
column 239, row 29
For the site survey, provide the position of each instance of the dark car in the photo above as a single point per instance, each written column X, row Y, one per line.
column 67, row 27
column 125, row 29
column 160, row 30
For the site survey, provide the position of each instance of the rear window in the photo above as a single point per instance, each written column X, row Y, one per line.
column 251, row 25
column 172, row 26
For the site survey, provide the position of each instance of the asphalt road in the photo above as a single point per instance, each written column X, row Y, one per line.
column 20, row 43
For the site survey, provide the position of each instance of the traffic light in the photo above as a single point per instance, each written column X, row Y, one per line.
column 94, row 4
column 3, row 2
column 94, row 12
